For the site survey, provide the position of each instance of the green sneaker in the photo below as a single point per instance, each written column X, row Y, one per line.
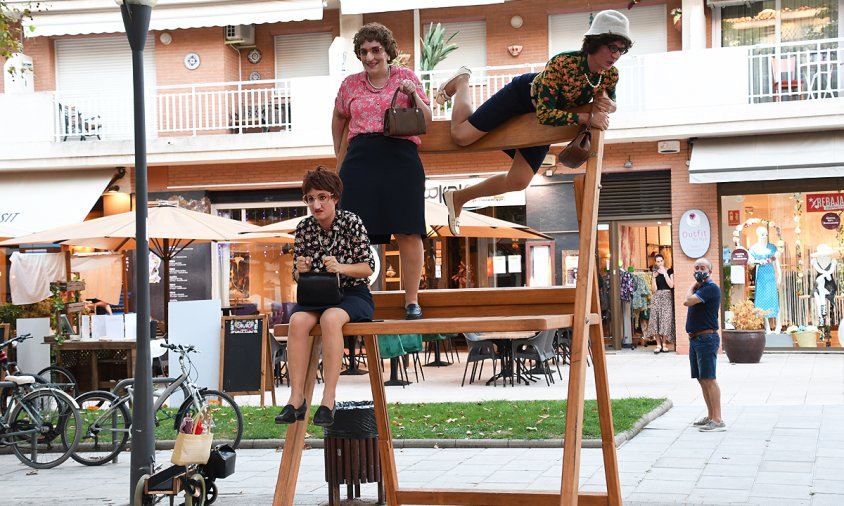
column 713, row 427
column 701, row 422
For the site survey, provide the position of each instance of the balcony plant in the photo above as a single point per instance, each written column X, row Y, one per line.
column 677, row 16
column 805, row 336
column 745, row 344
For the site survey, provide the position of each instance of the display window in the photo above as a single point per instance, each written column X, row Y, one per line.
column 782, row 251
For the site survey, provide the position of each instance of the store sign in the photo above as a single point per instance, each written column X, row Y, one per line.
column 739, row 257
column 824, row 202
column 695, row 234
column 733, row 217
column 830, row 221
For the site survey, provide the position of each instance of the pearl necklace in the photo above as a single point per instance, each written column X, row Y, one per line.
column 376, row 88
column 600, row 77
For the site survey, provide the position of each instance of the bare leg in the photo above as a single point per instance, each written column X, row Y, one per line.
column 517, row 178
column 331, row 322
column 712, row 397
column 299, row 345
column 463, row 132
column 412, row 252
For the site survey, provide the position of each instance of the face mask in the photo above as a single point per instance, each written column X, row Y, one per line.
column 701, row 276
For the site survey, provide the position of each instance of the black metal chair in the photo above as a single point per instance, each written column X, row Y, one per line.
column 478, row 351
column 540, row 349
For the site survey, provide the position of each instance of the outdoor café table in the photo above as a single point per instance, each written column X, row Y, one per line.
column 93, row 346
column 503, row 341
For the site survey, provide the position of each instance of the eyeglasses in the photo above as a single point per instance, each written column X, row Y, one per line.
column 616, row 49
column 376, row 51
column 321, row 198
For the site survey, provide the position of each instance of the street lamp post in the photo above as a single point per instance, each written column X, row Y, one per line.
column 136, row 16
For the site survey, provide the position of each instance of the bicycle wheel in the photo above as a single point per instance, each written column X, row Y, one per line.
column 195, row 491
column 227, row 417
column 61, row 378
column 50, row 426
column 105, row 428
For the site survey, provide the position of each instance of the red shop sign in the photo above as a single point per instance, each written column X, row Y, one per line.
column 830, row 221
column 733, row 217
column 739, row 257
column 824, row 202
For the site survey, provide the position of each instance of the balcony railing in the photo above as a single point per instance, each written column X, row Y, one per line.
column 796, row 71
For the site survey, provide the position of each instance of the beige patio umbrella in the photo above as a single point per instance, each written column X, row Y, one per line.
column 170, row 228
column 436, row 217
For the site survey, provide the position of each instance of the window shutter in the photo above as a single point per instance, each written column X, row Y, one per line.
column 100, row 65
column 471, row 42
column 625, row 195
column 302, row 55
column 647, row 24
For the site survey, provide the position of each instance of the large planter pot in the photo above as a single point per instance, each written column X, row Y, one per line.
column 743, row 346
column 806, row 339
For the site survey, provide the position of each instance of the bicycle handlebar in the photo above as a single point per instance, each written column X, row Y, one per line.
column 181, row 348
column 19, row 339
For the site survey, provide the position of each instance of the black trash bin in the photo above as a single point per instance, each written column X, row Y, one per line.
column 351, row 451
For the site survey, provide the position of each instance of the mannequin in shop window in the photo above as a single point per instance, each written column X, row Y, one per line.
column 661, row 326
column 824, row 265
column 764, row 256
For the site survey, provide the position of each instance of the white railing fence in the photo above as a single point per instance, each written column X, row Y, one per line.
column 802, row 70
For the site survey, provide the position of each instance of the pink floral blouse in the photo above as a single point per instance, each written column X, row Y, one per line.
column 365, row 107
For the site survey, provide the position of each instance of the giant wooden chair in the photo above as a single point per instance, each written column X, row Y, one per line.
column 490, row 310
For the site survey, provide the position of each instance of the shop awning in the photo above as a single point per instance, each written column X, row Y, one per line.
column 73, row 17
column 767, row 157
column 35, row 201
column 367, row 6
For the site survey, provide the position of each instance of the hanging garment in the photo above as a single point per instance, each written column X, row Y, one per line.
column 767, row 292
column 102, row 274
column 627, row 284
column 641, row 297
column 31, row 274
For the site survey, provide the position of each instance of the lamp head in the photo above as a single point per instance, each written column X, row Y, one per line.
column 628, row 164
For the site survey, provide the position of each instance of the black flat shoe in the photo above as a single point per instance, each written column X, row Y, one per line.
column 412, row 312
column 289, row 414
column 324, row 417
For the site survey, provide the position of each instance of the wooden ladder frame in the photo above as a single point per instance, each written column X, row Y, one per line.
column 522, row 131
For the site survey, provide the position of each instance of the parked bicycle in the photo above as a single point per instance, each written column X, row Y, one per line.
column 54, row 375
column 107, row 420
column 42, row 425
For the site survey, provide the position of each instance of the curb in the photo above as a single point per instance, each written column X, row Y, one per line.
column 623, row 437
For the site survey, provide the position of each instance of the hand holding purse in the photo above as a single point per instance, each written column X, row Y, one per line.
column 319, row 289
column 404, row 122
column 577, row 151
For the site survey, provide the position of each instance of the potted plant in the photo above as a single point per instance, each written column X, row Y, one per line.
column 677, row 15
column 745, row 344
column 805, row 336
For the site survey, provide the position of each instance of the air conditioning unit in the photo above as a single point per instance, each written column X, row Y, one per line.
column 725, row 3
column 240, row 35
column 668, row 147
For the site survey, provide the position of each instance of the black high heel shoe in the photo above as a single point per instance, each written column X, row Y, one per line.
column 289, row 414
column 324, row 417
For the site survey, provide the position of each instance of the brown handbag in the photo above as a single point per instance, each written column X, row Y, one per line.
column 404, row 122
column 577, row 151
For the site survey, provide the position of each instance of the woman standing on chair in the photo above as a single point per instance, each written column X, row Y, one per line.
column 569, row 80
column 330, row 240
column 383, row 176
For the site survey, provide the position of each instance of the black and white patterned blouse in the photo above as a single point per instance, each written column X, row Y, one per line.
column 347, row 241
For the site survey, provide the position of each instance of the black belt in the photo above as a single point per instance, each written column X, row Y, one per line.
column 702, row 332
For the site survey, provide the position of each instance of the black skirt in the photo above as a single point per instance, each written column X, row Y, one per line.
column 384, row 184
column 357, row 303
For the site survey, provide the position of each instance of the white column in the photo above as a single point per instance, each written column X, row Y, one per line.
column 694, row 25
column 341, row 54
column 417, row 41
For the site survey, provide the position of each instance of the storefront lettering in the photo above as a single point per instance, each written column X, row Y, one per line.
column 694, row 233
column 824, row 202
column 8, row 217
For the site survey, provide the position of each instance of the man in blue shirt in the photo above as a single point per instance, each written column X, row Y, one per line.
column 704, row 300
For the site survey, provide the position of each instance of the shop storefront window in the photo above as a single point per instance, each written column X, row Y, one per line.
column 782, row 251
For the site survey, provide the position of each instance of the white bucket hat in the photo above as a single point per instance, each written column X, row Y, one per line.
column 610, row 22
column 823, row 251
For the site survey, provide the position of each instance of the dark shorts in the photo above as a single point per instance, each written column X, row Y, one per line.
column 357, row 303
column 703, row 355
column 510, row 101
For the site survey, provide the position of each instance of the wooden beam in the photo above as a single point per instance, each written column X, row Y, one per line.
column 382, row 420
column 492, row 498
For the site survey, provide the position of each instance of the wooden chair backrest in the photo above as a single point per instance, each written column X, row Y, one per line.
column 479, row 302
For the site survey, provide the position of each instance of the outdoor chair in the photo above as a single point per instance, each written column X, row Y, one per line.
column 390, row 347
column 76, row 124
column 279, row 360
column 562, row 346
column 479, row 350
column 412, row 344
column 785, row 79
column 540, row 349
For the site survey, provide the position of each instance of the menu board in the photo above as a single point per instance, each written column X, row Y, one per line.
column 190, row 277
column 243, row 353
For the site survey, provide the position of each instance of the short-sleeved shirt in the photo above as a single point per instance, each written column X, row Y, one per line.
column 365, row 107
column 566, row 82
column 661, row 282
column 347, row 241
column 704, row 315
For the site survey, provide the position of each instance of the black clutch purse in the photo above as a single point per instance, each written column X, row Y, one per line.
column 319, row 289
column 404, row 122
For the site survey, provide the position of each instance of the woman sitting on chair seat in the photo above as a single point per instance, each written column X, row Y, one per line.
column 570, row 79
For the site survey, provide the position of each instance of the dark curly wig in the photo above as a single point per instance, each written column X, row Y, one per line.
column 324, row 179
column 376, row 32
column 592, row 43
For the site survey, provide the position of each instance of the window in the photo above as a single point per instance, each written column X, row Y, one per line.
column 471, row 42
column 775, row 21
column 302, row 55
column 647, row 24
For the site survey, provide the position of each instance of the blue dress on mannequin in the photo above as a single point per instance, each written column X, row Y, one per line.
column 767, row 295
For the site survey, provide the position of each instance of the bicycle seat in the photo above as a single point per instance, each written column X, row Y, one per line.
column 21, row 380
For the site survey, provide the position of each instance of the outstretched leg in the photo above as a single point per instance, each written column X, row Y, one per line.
column 462, row 132
column 517, row 178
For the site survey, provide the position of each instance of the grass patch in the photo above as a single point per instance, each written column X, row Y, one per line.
column 471, row 420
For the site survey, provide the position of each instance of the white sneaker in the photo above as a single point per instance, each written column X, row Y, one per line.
column 453, row 219
column 443, row 95
column 713, row 427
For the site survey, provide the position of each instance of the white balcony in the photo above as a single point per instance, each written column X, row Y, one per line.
column 714, row 92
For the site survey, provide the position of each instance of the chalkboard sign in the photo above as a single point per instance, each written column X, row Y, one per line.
column 243, row 354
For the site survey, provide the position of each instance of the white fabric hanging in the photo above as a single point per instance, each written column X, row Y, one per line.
column 102, row 275
column 31, row 274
